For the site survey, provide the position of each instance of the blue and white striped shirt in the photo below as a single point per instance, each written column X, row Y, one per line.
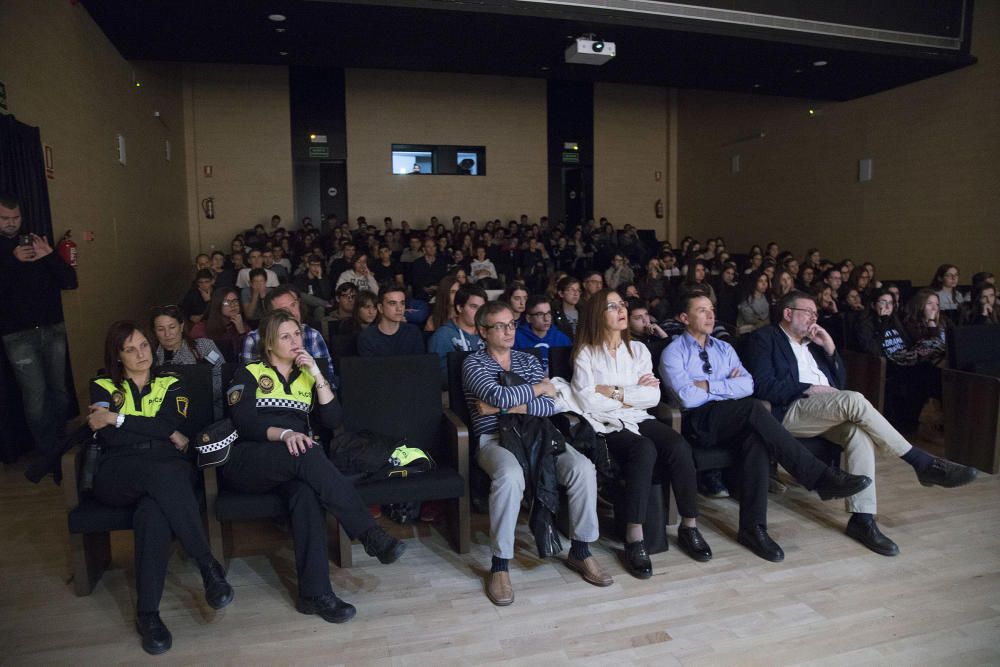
column 480, row 381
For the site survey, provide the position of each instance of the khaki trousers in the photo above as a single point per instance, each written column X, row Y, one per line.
column 848, row 419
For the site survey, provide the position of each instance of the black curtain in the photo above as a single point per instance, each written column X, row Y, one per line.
column 22, row 173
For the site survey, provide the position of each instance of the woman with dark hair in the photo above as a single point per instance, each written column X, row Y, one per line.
column 754, row 307
column 696, row 278
column 945, row 285
column 364, row 315
column 272, row 402
column 137, row 415
column 444, row 299
column 806, row 277
column 614, row 384
column 224, row 323
column 516, row 296
column 177, row 348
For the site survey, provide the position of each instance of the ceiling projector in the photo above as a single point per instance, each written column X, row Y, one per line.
column 584, row 51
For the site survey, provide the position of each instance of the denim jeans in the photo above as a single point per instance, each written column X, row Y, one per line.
column 38, row 357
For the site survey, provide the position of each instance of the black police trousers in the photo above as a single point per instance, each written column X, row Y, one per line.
column 159, row 481
column 309, row 483
column 751, row 431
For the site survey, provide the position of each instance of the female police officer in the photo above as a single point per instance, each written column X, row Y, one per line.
column 136, row 415
column 270, row 401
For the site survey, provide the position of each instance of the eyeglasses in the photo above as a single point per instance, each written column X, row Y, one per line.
column 809, row 312
column 500, row 327
column 546, row 316
column 706, row 365
column 231, row 302
column 885, row 302
column 616, row 306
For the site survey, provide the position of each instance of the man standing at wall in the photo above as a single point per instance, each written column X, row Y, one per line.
column 32, row 329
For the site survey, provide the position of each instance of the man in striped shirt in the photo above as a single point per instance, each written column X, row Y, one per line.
column 487, row 398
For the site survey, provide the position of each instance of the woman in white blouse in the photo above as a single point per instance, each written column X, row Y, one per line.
column 613, row 383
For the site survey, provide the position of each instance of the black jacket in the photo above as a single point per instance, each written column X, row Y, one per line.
column 536, row 442
column 32, row 290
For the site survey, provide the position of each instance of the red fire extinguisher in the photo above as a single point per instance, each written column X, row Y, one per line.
column 68, row 249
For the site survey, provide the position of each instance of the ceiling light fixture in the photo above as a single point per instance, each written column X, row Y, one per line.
column 282, row 53
column 280, row 29
column 819, row 63
column 277, row 18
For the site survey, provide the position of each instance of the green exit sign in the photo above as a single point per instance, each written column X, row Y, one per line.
column 319, row 151
column 570, row 157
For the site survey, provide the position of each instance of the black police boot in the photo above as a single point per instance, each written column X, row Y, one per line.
column 156, row 639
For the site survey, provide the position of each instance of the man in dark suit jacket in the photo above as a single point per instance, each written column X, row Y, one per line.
column 795, row 366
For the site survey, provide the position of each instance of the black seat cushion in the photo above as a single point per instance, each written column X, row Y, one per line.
column 431, row 485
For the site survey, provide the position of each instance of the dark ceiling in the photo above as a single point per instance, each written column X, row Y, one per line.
column 506, row 37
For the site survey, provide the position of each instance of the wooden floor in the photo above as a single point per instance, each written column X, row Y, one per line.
column 831, row 602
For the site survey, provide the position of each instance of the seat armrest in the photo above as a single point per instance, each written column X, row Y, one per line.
column 458, row 442
column 70, row 464
column 669, row 414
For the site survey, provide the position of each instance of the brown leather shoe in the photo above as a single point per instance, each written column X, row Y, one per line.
column 499, row 590
column 590, row 570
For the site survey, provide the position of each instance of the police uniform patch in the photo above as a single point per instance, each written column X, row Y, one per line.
column 235, row 393
column 266, row 384
column 182, row 405
column 117, row 398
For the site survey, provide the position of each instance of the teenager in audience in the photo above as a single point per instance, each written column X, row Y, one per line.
column 982, row 308
column 619, row 273
column 197, row 299
column 271, row 402
column 364, row 315
column 754, row 308
column 137, row 415
column 254, row 295
column 614, row 384
column 427, row 271
column 391, row 335
column 644, row 329
column 482, row 271
column 256, row 261
column 945, row 285
column 269, row 262
column 516, row 296
column 224, row 323
column 695, row 280
column 314, row 289
column 593, row 282
column 566, row 315
column 444, row 301
column 344, row 297
column 536, row 331
column 806, row 277
column 459, row 333
column 359, row 274
column 652, row 286
column 727, row 291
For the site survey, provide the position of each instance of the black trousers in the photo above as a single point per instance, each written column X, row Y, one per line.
column 661, row 449
column 752, row 432
column 309, row 483
column 160, row 483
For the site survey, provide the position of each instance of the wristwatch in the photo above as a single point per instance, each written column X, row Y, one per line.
column 119, row 420
column 617, row 394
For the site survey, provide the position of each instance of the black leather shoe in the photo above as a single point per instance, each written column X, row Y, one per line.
column 382, row 545
column 836, row 483
column 156, row 639
column 328, row 607
column 218, row 592
column 693, row 544
column 637, row 560
column 943, row 472
column 758, row 541
column 870, row 536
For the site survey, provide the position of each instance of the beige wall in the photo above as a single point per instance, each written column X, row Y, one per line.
column 631, row 133
column 934, row 196
column 64, row 76
column 237, row 122
column 506, row 115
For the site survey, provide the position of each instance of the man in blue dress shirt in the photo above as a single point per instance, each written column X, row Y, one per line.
column 716, row 393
